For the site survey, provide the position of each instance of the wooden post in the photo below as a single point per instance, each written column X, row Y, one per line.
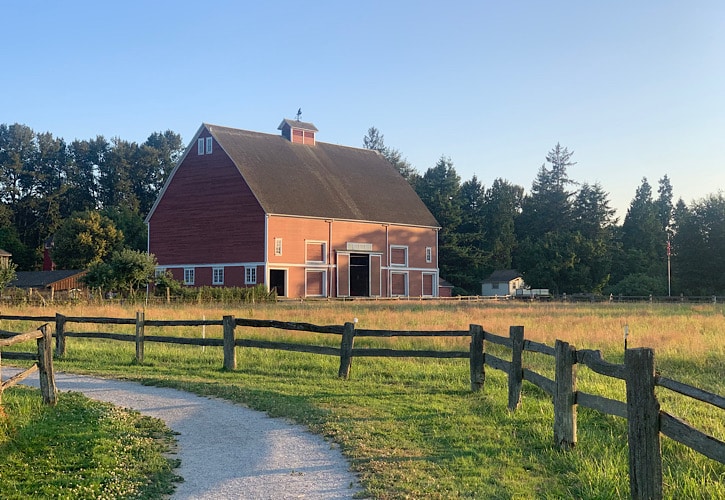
column 59, row 335
column 477, row 356
column 348, row 339
column 565, row 395
column 45, row 367
column 643, row 425
column 140, row 332
column 516, row 377
column 230, row 354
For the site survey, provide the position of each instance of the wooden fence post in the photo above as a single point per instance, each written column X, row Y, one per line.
column 348, row 339
column 516, row 377
column 565, row 395
column 477, row 356
column 230, row 353
column 140, row 337
column 643, row 429
column 59, row 335
column 45, row 367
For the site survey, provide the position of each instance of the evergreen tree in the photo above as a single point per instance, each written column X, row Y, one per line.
column 501, row 207
column 642, row 237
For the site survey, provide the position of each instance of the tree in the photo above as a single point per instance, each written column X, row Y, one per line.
column 85, row 238
column 131, row 224
column 376, row 141
column 699, row 247
column 548, row 207
column 7, row 274
column 501, row 207
column 642, row 237
column 132, row 269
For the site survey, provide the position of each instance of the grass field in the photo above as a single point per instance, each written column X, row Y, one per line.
column 411, row 427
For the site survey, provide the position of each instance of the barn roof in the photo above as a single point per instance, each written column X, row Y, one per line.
column 324, row 180
column 503, row 276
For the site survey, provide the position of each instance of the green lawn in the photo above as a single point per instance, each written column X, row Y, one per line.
column 411, row 427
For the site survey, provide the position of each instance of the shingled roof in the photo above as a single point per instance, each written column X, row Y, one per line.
column 324, row 180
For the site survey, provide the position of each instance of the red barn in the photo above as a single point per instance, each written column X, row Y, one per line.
column 306, row 218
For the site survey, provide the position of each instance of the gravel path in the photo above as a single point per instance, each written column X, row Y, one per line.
column 227, row 450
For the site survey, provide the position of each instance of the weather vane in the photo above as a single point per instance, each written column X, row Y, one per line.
column 299, row 113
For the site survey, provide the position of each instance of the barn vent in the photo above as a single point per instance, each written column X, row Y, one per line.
column 298, row 132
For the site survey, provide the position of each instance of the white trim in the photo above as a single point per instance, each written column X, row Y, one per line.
column 324, row 251
column 213, row 264
column 324, row 281
column 209, row 142
column 278, row 249
column 407, row 283
column 247, row 278
column 434, row 284
column 189, row 272
column 428, row 255
column 214, row 271
column 398, row 247
column 200, row 146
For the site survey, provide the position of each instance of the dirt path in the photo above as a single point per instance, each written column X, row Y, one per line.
column 228, row 451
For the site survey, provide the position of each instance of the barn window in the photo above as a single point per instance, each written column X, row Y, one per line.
column 200, row 146
column 250, row 275
column 315, row 283
column 188, row 275
column 209, row 141
column 316, row 251
column 217, row 276
column 278, row 247
column 428, row 254
column 399, row 284
column 428, row 280
column 398, row 255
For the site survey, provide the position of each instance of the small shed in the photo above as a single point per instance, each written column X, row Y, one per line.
column 502, row 283
column 5, row 258
column 445, row 289
column 48, row 283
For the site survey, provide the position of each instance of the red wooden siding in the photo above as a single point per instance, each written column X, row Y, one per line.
column 207, row 215
column 304, row 250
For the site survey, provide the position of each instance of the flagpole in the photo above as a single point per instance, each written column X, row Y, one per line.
column 669, row 268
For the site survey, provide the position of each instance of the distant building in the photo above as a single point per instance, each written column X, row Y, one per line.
column 502, row 283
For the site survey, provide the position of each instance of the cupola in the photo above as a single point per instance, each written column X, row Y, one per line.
column 298, row 132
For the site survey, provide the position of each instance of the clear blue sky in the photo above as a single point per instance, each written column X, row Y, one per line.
column 636, row 89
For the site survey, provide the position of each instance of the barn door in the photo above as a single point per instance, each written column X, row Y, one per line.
column 343, row 275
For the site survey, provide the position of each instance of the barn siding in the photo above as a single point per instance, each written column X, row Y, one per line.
column 207, row 215
column 296, row 232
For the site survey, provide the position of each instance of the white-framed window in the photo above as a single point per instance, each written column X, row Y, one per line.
column 315, row 283
column 250, row 275
column 315, row 252
column 159, row 271
column 209, row 141
column 398, row 284
column 277, row 247
column 189, row 275
column 200, row 146
column 217, row 276
column 428, row 254
column 398, row 255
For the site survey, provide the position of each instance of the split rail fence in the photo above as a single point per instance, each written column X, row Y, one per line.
column 645, row 420
column 43, row 364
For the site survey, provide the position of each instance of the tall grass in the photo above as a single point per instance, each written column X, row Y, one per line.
column 411, row 427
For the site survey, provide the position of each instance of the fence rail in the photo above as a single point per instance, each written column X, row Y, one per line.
column 44, row 361
column 645, row 420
